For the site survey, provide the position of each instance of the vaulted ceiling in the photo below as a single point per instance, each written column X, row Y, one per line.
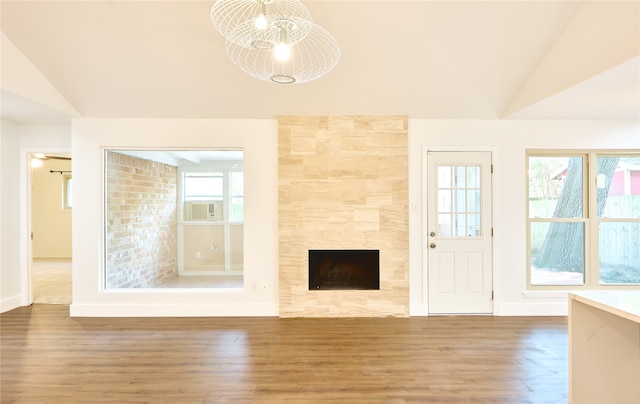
column 427, row 59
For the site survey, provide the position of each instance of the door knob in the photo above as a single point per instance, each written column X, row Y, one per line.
column 432, row 245
column 432, row 234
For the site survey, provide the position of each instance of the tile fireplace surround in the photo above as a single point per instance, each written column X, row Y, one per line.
column 343, row 184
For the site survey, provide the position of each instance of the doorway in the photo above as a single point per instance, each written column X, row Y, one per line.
column 50, row 228
column 459, row 232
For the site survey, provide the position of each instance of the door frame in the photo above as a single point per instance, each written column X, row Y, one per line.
column 425, row 219
column 25, row 206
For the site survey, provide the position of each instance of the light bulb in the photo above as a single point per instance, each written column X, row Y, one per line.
column 282, row 51
column 261, row 21
column 36, row 162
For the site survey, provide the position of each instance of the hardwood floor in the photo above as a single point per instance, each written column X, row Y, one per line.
column 48, row 357
column 51, row 280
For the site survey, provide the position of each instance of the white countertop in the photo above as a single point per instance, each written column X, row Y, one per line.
column 623, row 303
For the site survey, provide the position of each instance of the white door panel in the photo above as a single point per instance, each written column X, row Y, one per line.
column 459, row 232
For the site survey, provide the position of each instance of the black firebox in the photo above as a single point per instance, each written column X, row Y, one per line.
column 344, row 269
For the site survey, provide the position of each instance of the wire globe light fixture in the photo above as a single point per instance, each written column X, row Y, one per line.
column 275, row 40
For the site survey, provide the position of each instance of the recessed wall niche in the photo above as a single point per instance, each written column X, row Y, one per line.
column 343, row 184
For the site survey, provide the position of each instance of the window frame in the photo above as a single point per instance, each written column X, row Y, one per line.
column 589, row 217
column 67, row 192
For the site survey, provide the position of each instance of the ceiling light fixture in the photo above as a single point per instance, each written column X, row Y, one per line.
column 275, row 40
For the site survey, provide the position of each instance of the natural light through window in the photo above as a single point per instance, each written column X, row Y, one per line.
column 579, row 204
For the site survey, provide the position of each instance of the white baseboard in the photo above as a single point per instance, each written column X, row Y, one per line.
column 418, row 309
column 173, row 310
column 10, row 303
column 533, row 309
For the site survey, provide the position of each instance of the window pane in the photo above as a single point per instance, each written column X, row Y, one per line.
column 473, row 176
column 473, row 225
column 68, row 191
column 237, row 196
column 203, row 186
column 237, row 184
column 556, row 187
column 460, row 202
column 619, row 252
column 618, row 186
column 444, row 201
column 460, row 176
column 557, row 253
column 474, row 201
column 459, row 225
column 444, row 225
column 444, row 177
column 237, row 209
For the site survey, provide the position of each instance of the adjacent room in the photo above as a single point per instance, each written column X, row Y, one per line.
column 320, row 201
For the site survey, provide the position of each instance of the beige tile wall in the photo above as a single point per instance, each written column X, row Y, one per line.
column 343, row 184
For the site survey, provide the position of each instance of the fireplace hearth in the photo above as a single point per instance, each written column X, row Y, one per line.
column 344, row 269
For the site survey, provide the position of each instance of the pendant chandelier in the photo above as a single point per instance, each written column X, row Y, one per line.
column 275, row 40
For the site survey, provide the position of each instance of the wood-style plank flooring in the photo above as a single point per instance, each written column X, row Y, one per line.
column 51, row 279
column 48, row 357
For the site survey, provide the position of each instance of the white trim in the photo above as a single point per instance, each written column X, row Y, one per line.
column 544, row 294
column 418, row 309
column 25, row 246
column 532, row 309
column 174, row 310
column 10, row 303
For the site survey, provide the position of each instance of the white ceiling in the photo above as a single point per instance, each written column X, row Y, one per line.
column 426, row 59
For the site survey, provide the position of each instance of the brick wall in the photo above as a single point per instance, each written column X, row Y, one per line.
column 343, row 184
column 141, row 226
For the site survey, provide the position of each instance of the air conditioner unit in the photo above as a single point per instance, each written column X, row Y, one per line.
column 198, row 211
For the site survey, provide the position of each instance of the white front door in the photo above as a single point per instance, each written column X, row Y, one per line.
column 459, row 233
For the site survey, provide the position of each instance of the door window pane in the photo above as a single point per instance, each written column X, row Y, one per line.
column 460, row 201
column 460, row 225
column 457, row 200
column 473, row 176
column 444, row 225
column 474, row 201
column 460, row 177
column 444, row 200
column 473, row 225
column 444, row 176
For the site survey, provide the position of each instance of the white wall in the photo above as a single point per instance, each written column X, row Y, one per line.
column 9, row 223
column 508, row 141
column 258, row 139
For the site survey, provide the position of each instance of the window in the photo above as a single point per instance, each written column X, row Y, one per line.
column 583, row 219
column 203, row 186
column 66, row 191
column 212, row 229
column 459, row 201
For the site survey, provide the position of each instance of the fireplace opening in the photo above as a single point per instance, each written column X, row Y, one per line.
column 344, row 269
